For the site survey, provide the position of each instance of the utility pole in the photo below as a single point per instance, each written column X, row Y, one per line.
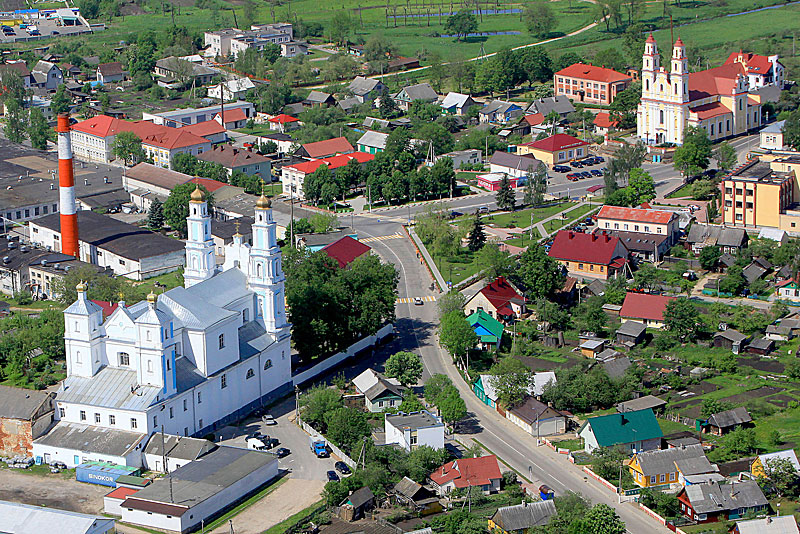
column 297, row 403
column 166, row 466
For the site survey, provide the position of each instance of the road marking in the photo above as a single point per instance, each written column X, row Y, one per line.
column 382, row 238
column 409, row 300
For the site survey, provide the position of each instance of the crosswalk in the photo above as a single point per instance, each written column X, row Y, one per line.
column 409, row 300
column 382, row 238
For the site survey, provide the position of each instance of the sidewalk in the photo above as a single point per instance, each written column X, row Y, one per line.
column 427, row 257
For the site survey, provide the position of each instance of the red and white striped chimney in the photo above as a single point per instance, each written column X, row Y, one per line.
column 66, row 189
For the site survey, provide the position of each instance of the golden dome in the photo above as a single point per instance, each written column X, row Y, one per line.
column 263, row 202
column 197, row 195
column 151, row 297
column 81, row 287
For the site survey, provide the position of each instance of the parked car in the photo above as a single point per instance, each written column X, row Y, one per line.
column 586, row 174
column 342, row 467
column 596, row 172
column 257, row 435
column 562, row 168
column 283, row 451
column 600, row 159
column 577, row 165
column 454, row 214
column 332, row 476
column 268, row 420
column 483, row 209
column 271, row 443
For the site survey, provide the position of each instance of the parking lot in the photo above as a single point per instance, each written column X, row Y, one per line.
column 575, row 171
column 44, row 30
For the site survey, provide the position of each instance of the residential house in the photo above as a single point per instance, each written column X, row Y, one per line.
column 604, row 124
column 484, row 388
column 319, row 99
column 630, row 333
column 614, row 364
column 532, row 124
column 294, row 48
column 556, row 149
column 762, row 462
column 211, row 130
column 561, row 104
column 421, row 91
column 398, row 63
column 788, row 290
column 457, row 103
column 412, row 430
column 517, row 165
column 316, row 242
column 372, row 142
column 327, row 148
column 499, row 299
column 22, row 71
column 235, row 89
column 634, row 431
column 356, row 505
column 731, row 339
column 348, row 104
column 761, row 346
column 283, row 123
column 761, row 70
column 380, row 393
column 756, row 269
column 521, row 518
column 463, row 473
column 346, row 250
column 775, row 234
column 590, row 84
column 175, row 68
column 46, row 75
column 779, row 332
column 232, row 119
column 537, row 418
column 366, row 89
column 499, row 111
column 711, row 502
column 645, row 309
column 236, row 159
column 463, row 158
column 488, row 329
column 25, row 414
column 415, row 497
column 292, row 176
column 645, row 247
column 187, row 116
column 659, row 467
column 723, row 422
column 589, row 256
column 642, row 403
column 110, row 72
column 782, row 524
column 639, row 221
column 772, row 137
column 233, row 41
column 729, row 240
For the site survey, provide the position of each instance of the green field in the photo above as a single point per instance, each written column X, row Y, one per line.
column 522, row 218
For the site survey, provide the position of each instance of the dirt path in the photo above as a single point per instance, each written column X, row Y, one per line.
column 52, row 492
column 293, row 496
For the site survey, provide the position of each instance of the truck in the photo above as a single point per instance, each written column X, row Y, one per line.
column 318, row 446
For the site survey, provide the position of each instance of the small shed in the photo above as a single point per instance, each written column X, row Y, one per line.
column 616, row 368
column 357, row 504
column 730, row 339
column 592, row 347
column 631, row 332
column 642, row 403
column 762, row 346
column 779, row 332
column 727, row 421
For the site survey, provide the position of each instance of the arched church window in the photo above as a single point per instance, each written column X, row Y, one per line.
column 661, row 116
column 258, row 269
column 267, row 364
column 647, row 85
column 249, row 374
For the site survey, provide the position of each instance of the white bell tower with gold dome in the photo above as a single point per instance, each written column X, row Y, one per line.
column 200, row 262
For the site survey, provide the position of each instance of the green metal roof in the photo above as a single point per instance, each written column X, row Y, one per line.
column 616, row 428
column 483, row 321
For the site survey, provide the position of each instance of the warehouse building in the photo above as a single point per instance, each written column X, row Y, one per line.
column 18, row 518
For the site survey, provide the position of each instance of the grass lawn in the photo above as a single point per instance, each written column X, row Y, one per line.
column 257, row 129
column 522, row 218
column 170, row 280
column 458, row 268
column 523, row 241
column 681, row 192
column 671, row 427
column 722, row 527
column 571, row 444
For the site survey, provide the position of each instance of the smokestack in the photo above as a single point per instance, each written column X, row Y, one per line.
column 66, row 187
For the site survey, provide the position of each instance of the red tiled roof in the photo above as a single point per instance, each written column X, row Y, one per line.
column 534, row 119
column 755, row 63
column 150, row 133
column 500, row 293
column 590, row 72
column 108, row 307
column 594, row 188
column 205, row 128
column 283, row 118
column 233, row 115
column 603, row 120
column 644, row 306
column 466, row 472
column 321, row 149
column 345, row 250
column 556, row 142
column 122, row 493
column 706, row 111
column 786, row 282
column 334, row 162
column 635, row 214
column 589, row 248
column 717, row 81
column 208, row 183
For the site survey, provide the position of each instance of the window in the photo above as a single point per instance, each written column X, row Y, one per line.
column 221, row 341
column 580, row 266
column 124, row 358
column 661, row 116
column 413, row 439
column 149, row 366
column 168, row 364
column 200, row 423
column 78, row 356
column 380, row 404
column 199, row 398
column 184, row 405
column 61, row 413
column 646, row 228
column 267, row 364
column 652, row 479
column 122, row 262
column 662, row 477
column 97, row 418
column 224, row 381
column 155, row 421
column 133, row 422
column 249, row 374
column 83, row 415
column 112, row 419
column 171, row 412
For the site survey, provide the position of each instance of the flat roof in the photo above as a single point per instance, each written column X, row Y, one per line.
column 412, row 420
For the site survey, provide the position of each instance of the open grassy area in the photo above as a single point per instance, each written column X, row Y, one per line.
column 170, row 280
column 571, row 444
column 671, row 427
column 459, row 268
column 526, row 217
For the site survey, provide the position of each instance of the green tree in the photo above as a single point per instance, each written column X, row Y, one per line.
column 709, row 257
column 155, row 215
column 451, row 301
column 782, row 476
column 176, row 207
column 340, row 27
column 61, row 101
column 623, row 108
column 11, row 82
column 316, row 403
column 601, row 519
column 38, row 130
column 536, row 187
column 127, row 146
column 477, row 237
column 539, row 19
column 682, row 318
column 101, row 286
column 405, row 367
column 740, row 442
column 791, row 130
column 435, row 388
column 505, row 195
column 733, row 282
column 347, row 427
column 712, row 406
column 494, row 262
column 642, row 186
column 627, row 158
column 541, row 275
column 460, row 24
column 511, row 380
column 14, row 129
column 456, row 335
column 452, row 407
column 535, row 65
column 726, row 156
column 552, row 315
column 693, row 156
column 590, row 317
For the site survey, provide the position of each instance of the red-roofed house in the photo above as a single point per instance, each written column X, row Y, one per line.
column 555, row 149
column 324, row 149
column 645, row 221
column 788, row 290
column 717, row 99
column 761, row 70
column 595, row 256
column 292, row 176
column 644, row 308
column 211, row 130
column 499, row 299
column 283, row 123
column 587, row 83
column 112, row 502
column 603, row 123
column 483, row 472
column 345, row 250
column 234, row 119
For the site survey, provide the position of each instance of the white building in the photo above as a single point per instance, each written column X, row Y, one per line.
column 232, row 41
column 189, row 116
column 414, row 430
column 16, row 518
column 189, row 360
column 761, row 70
column 772, row 136
column 232, row 89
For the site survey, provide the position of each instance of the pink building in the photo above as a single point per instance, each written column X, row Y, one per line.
column 491, row 181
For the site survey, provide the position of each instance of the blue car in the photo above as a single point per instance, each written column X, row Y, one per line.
column 332, row 476
column 596, row 172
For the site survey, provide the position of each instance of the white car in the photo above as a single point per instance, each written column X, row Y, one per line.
column 256, row 444
column 417, row 301
column 268, row 420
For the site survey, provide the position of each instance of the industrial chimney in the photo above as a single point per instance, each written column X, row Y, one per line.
column 66, row 188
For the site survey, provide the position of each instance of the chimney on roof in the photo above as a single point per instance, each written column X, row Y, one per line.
column 571, row 235
column 608, row 238
column 594, row 237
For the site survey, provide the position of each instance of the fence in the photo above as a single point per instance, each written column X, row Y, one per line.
column 677, row 418
column 691, row 263
column 336, row 359
column 600, row 479
column 334, row 449
column 652, row 514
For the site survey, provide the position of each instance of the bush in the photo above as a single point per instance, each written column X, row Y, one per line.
column 23, row 298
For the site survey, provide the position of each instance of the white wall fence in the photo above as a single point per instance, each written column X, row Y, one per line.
column 352, row 350
column 334, row 449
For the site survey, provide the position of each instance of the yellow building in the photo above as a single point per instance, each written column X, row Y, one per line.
column 763, row 460
column 763, row 193
column 522, row 518
column 668, row 466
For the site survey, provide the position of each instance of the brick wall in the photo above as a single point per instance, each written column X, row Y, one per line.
column 15, row 437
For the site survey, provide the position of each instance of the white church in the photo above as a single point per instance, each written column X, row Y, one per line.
column 187, row 361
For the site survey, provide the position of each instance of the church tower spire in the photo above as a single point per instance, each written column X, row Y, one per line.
column 200, row 262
